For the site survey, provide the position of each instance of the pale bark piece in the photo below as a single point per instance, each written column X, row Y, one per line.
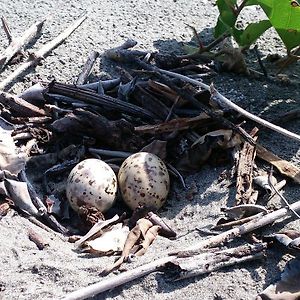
column 87, row 68
column 175, row 124
column 36, row 238
column 96, row 229
column 38, row 55
column 284, row 167
column 244, row 180
column 16, row 44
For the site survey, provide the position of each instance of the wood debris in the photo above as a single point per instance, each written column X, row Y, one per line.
column 186, row 123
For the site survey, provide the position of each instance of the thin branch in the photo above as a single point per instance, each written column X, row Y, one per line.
column 235, row 107
column 260, row 61
column 207, row 48
column 176, row 268
column 37, row 56
column 223, row 237
column 156, row 265
column 7, row 30
column 280, row 195
column 18, row 43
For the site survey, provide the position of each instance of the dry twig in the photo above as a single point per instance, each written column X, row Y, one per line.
column 156, row 265
column 224, row 101
column 16, row 44
column 87, row 68
column 38, row 55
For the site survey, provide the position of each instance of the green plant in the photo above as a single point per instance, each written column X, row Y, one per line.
column 283, row 15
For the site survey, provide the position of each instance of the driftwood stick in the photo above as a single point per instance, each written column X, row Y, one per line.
column 16, row 44
column 233, row 106
column 87, row 68
column 244, row 188
column 238, row 231
column 37, row 56
column 178, row 267
column 208, row 262
column 175, row 124
column 118, row 280
column 156, row 265
column 236, row 222
column 20, row 107
column 36, row 238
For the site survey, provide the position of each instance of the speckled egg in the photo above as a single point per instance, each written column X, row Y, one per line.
column 144, row 180
column 92, row 182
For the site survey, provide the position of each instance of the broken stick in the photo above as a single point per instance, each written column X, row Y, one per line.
column 16, row 44
column 20, row 107
column 157, row 265
column 87, row 68
column 222, row 99
column 37, row 56
column 238, row 231
column 244, row 188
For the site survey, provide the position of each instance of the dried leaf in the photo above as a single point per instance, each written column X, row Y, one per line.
column 96, row 229
column 244, row 210
column 110, row 241
column 18, row 192
column 284, row 167
column 288, row 288
column 135, row 234
column 10, row 160
column 150, row 236
column 226, row 138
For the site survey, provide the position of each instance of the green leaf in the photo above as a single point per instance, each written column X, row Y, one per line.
column 251, row 33
column 284, row 15
column 227, row 18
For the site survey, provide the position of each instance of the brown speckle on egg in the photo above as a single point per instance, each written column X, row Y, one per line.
column 91, row 182
column 142, row 180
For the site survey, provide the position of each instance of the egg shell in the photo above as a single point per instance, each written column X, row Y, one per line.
column 144, row 180
column 92, row 182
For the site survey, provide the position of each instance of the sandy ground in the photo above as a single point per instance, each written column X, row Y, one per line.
column 26, row 272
